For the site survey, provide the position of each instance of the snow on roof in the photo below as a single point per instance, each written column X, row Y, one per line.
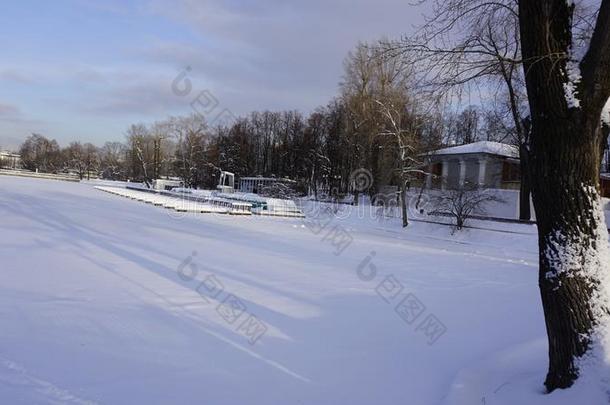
column 492, row 148
column 276, row 179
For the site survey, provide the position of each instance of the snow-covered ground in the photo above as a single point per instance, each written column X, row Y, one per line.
column 106, row 300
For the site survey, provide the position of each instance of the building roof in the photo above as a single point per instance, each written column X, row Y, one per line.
column 276, row 179
column 489, row 147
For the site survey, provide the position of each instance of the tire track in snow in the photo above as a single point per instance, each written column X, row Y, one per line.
column 179, row 312
column 14, row 374
column 419, row 246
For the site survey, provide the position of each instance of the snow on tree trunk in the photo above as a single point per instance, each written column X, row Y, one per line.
column 574, row 285
column 567, row 93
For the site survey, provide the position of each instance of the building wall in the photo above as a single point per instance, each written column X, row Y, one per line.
column 508, row 208
column 453, row 173
column 472, row 171
column 494, row 172
column 10, row 160
column 494, row 166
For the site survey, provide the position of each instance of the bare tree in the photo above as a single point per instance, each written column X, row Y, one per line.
column 374, row 83
column 497, row 125
column 464, row 202
column 404, row 131
column 316, row 159
column 357, row 91
column 91, row 159
column 163, row 147
column 112, row 160
column 140, row 143
column 74, row 159
column 191, row 136
column 467, row 125
column 467, row 43
column 39, row 153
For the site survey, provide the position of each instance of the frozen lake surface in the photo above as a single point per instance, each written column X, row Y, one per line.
column 107, row 300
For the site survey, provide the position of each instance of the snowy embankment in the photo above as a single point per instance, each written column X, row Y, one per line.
column 49, row 176
column 106, row 300
column 207, row 201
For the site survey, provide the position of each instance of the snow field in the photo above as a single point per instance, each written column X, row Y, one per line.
column 105, row 300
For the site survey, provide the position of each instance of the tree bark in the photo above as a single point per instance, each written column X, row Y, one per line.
column 403, row 204
column 565, row 211
column 565, row 163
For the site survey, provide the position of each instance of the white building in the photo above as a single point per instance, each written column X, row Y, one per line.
column 486, row 164
column 9, row 160
column 167, row 184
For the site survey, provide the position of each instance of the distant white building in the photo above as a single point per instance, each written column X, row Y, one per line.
column 9, row 160
column 486, row 164
column 167, row 184
column 256, row 184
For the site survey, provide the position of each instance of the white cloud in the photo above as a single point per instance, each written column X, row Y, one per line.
column 251, row 55
column 290, row 49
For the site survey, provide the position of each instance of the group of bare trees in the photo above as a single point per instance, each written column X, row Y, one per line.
column 39, row 153
column 380, row 121
column 465, row 46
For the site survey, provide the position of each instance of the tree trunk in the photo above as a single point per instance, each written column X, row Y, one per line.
column 403, row 204
column 565, row 163
column 566, row 202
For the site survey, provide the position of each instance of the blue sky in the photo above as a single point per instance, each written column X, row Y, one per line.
column 85, row 70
